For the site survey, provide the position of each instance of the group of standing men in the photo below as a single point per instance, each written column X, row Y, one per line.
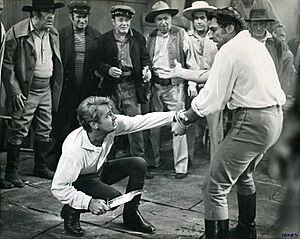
column 47, row 74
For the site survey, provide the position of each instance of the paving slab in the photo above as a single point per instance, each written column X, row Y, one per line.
column 169, row 222
column 166, row 190
column 21, row 222
column 91, row 231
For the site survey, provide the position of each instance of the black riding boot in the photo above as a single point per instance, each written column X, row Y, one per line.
column 133, row 219
column 216, row 229
column 11, row 174
column 71, row 218
column 247, row 212
column 40, row 167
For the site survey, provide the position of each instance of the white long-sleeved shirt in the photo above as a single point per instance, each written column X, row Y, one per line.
column 243, row 75
column 80, row 156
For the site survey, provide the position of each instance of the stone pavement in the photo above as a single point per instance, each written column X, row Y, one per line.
column 174, row 206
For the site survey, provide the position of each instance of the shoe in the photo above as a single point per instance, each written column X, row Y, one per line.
column 243, row 232
column 5, row 184
column 133, row 220
column 216, row 229
column 71, row 221
column 43, row 173
column 15, row 179
column 11, row 173
column 149, row 175
column 180, row 175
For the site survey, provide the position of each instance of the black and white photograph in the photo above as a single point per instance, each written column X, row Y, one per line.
column 148, row 119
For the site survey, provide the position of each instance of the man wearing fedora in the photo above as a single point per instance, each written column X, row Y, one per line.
column 205, row 50
column 124, row 64
column 283, row 58
column 245, row 6
column 32, row 75
column 166, row 44
column 79, row 47
column 246, row 80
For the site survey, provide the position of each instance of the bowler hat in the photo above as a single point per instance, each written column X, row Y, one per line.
column 42, row 4
column 122, row 10
column 259, row 15
column 197, row 7
column 159, row 8
column 79, row 7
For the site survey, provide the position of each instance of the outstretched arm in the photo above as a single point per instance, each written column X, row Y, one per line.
column 199, row 76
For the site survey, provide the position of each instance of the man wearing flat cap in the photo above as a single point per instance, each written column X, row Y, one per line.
column 124, row 64
column 168, row 44
column 79, row 47
column 283, row 58
column 33, row 75
column 246, row 80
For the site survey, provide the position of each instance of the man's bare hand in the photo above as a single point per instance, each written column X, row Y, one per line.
column 146, row 74
column 179, row 128
column 168, row 73
column 192, row 90
column 98, row 206
column 115, row 72
column 17, row 102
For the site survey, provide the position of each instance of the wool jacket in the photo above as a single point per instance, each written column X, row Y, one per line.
column 67, row 48
column 20, row 59
column 109, row 58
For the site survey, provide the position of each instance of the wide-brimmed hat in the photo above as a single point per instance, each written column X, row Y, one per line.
column 159, row 8
column 259, row 15
column 42, row 4
column 196, row 7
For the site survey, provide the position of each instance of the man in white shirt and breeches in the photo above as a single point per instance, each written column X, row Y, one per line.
column 83, row 176
column 244, row 77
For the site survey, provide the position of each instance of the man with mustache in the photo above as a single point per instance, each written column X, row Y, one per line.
column 32, row 75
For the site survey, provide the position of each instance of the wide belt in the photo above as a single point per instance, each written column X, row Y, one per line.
column 249, row 108
column 160, row 81
column 126, row 76
column 40, row 83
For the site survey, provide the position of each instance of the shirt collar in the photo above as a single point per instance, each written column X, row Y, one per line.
column 32, row 28
column 86, row 143
column 267, row 36
column 128, row 35
column 163, row 35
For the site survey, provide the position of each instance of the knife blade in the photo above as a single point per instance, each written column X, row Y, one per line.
column 124, row 198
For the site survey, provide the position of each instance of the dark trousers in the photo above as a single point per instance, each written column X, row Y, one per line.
column 99, row 187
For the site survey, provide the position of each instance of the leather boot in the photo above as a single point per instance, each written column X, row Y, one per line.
column 40, row 167
column 133, row 219
column 216, row 229
column 11, row 173
column 247, row 212
column 71, row 218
